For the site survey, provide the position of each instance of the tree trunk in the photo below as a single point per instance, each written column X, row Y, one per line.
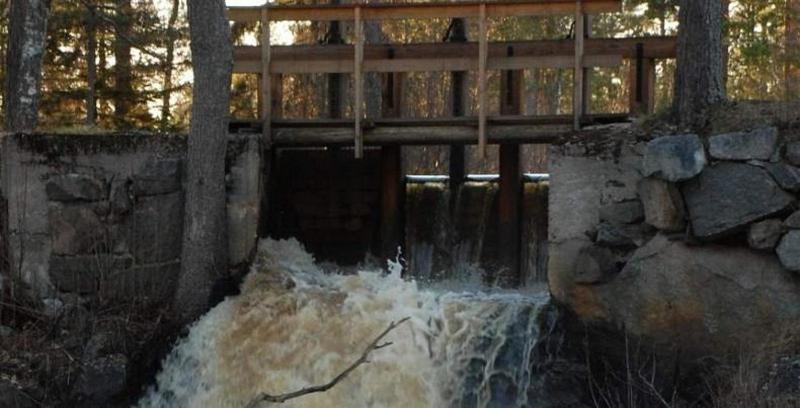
column 91, row 65
column 792, row 57
column 123, row 82
column 172, row 36
column 698, row 76
column 205, row 244
column 26, row 44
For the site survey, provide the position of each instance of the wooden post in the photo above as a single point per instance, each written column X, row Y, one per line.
column 457, row 166
column 392, row 185
column 483, row 51
column 266, row 81
column 586, row 101
column 335, row 90
column 642, row 79
column 577, row 99
column 276, row 83
column 358, row 80
column 510, row 184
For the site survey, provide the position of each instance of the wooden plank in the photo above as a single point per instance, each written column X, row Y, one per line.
column 577, row 99
column 344, row 12
column 653, row 47
column 468, row 121
column 483, row 55
column 422, row 135
column 448, row 56
column 358, row 79
column 428, row 65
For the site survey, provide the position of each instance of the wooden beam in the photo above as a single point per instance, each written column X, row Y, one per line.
column 653, row 47
column 358, row 79
column 427, row 65
column 450, row 56
column 457, row 162
column 483, row 55
column 577, row 99
column 382, row 11
column 586, row 102
column 446, row 131
column 421, row 135
column 276, row 84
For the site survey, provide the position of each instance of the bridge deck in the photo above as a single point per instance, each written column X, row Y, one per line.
column 436, row 131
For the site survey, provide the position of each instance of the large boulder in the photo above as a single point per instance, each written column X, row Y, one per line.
column 704, row 299
column 663, row 204
column 758, row 144
column 728, row 196
column 674, row 158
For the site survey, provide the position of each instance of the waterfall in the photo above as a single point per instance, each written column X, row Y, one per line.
column 453, row 235
column 294, row 325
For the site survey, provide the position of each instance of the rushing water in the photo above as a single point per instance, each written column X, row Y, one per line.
column 295, row 325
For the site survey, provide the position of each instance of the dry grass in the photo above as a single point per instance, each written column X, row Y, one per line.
column 767, row 377
column 44, row 355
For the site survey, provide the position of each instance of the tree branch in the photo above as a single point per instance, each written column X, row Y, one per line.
column 375, row 345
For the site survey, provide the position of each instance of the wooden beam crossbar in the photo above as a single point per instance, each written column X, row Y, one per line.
column 307, row 59
column 471, row 9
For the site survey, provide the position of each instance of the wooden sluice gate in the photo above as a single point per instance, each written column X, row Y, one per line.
column 456, row 55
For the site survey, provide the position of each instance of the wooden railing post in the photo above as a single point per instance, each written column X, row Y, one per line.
column 457, row 162
column 358, row 80
column 483, row 51
column 642, row 79
column 577, row 99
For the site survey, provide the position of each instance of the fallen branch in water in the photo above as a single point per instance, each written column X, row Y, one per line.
column 375, row 345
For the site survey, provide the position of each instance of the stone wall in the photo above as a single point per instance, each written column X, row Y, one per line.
column 689, row 241
column 102, row 215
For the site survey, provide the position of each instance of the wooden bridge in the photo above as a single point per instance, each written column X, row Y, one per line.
column 510, row 129
column 580, row 53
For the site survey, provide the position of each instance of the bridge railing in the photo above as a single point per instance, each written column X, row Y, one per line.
column 579, row 53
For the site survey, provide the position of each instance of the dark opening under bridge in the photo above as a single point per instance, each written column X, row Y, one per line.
column 580, row 53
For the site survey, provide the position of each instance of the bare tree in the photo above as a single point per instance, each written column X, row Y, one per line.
column 205, row 244
column 698, row 77
column 26, row 44
column 172, row 36
column 123, row 73
column 91, row 64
